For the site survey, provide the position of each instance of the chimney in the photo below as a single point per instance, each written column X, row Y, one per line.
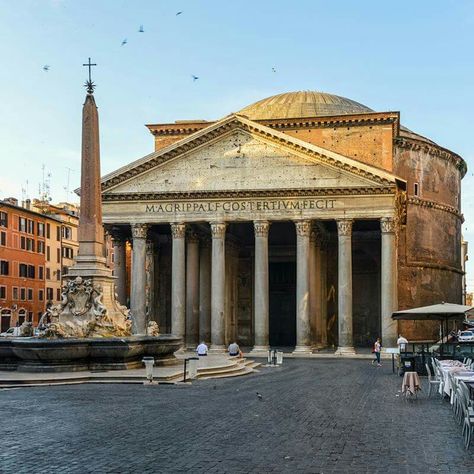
column 28, row 204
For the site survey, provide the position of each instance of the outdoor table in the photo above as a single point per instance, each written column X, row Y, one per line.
column 454, row 367
column 411, row 384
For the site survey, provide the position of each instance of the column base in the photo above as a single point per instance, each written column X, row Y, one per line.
column 302, row 350
column 261, row 351
column 217, row 349
column 345, row 351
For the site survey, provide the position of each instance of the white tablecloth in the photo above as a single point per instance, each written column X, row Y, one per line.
column 458, row 370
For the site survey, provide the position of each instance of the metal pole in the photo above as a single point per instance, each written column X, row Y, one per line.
column 184, row 374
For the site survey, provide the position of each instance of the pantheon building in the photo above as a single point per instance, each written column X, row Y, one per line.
column 301, row 221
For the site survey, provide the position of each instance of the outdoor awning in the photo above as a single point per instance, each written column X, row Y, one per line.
column 437, row 312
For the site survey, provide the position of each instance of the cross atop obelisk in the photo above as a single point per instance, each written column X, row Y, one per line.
column 89, row 84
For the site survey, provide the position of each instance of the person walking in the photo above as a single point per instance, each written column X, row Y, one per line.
column 376, row 351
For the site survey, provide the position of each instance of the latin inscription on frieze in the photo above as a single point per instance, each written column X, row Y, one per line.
column 267, row 205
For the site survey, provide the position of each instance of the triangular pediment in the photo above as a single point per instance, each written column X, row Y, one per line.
column 239, row 155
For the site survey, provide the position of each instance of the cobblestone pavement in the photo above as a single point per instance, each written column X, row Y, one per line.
column 316, row 416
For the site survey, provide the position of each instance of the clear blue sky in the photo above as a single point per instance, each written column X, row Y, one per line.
column 411, row 56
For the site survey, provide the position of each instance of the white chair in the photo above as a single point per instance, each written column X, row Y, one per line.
column 432, row 380
column 467, row 414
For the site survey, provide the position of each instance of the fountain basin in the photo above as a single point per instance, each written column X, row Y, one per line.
column 33, row 354
column 8, row 360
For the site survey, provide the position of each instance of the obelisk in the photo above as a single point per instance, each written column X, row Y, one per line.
column 89, row 284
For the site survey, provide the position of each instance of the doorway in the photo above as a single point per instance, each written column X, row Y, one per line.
column 282, row 294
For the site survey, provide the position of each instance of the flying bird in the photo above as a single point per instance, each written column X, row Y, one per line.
column 273, row 69
column 46, row 68
column 195, row 78
column 124, row 42
column 259, row 396
column 179, row 13
column 141, row 30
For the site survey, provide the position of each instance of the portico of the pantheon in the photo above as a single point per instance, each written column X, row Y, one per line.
column 303, row 220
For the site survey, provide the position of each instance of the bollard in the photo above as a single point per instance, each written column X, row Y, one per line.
column 149, row 363
column 279, row 357
column 193, row 367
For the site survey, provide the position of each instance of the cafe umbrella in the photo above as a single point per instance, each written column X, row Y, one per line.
column 443, row 312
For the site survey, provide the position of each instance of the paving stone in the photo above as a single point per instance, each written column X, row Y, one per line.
column 316, row 416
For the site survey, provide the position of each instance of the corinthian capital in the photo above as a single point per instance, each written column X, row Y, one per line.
column 303, row 228
column 261, row 228
column 344, row 227
column 387, row 225
column 178, row 230
column 139, row 231
column 218, row 230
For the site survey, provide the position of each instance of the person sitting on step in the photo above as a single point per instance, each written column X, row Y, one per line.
column 202, row 349
column 234, row 350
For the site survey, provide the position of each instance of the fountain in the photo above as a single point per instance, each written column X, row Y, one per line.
column 89, row 329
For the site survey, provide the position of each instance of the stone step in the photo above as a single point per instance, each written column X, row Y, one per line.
column 235, row 373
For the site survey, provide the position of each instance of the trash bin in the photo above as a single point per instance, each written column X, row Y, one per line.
column 149, row 363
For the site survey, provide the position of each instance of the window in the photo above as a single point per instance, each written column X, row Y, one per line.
column 48, row 231
column 49, row 294
column 3, row 239
column 23, row 270
column 21, row 316
column 58, row 294
column 65, row 270
column 48, row 274
column 22, row 224
column 68, row 252
column 23, row 243
column 30, row 294
column 67, row 232
column 31, row 271
column 30, row 245
column 58, row 275
column 3, row 219
column 30, row 316
column 58, row 234
column 15, row 293
column 40, row 229
column 30, row 226
column 22, row 294
column 40, row 246
column 41, row 295
column 41, row 273
column 4, row 270
column 3, row 292
column 58, row 255
column 48, row 253
column 416, row 190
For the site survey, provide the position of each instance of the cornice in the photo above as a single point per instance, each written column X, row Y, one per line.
column 271, row 193
column 378, row 118
column 416, row 201
column 435, row 266
column 433, row 150
column 375, row 118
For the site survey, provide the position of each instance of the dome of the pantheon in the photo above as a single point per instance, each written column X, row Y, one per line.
column 302, row 104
